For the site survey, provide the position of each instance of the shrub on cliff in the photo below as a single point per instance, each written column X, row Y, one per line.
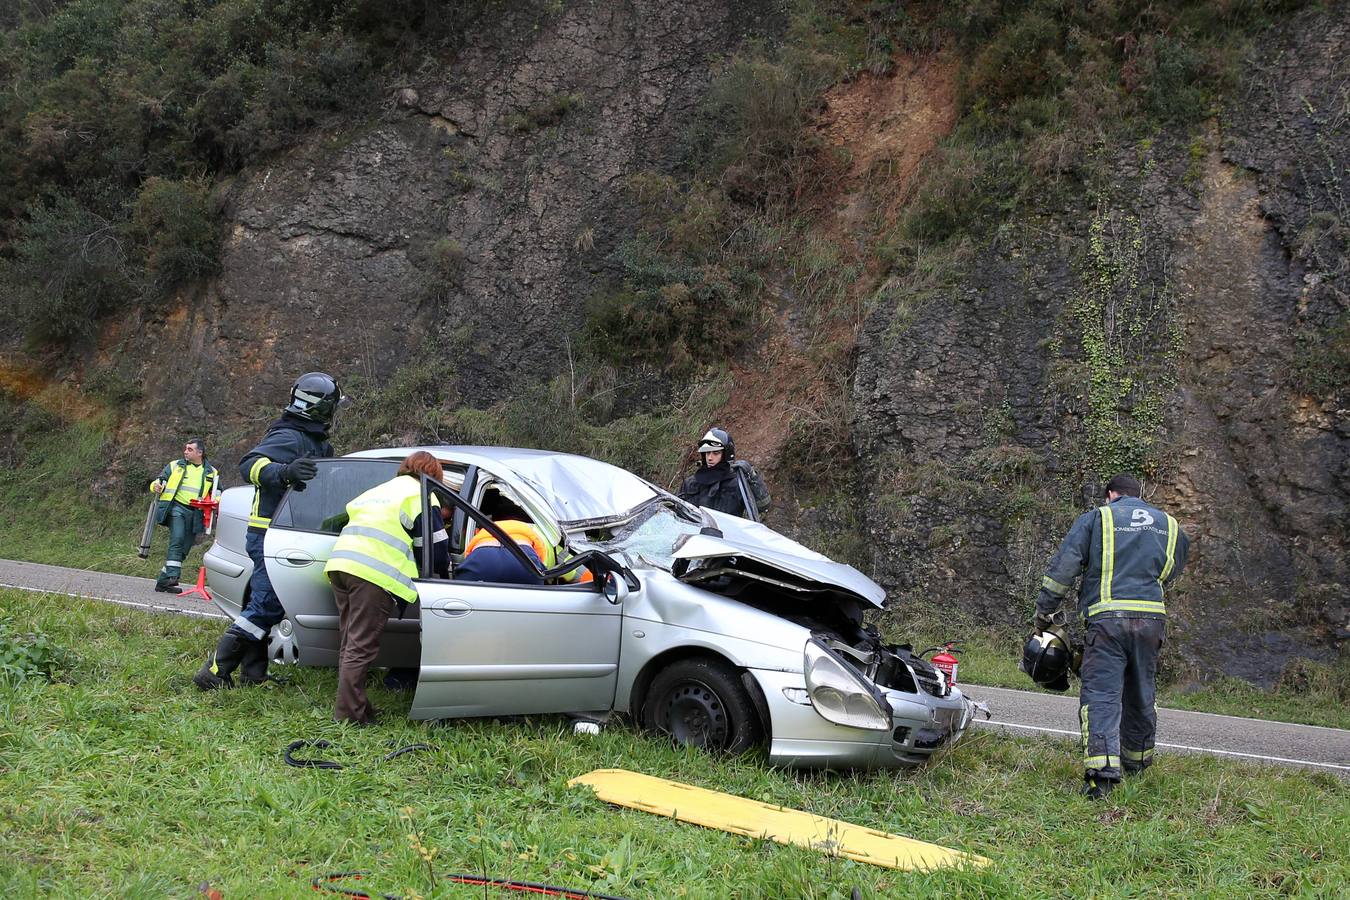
column 70, row 264
column 128, row 109
column 175, row 230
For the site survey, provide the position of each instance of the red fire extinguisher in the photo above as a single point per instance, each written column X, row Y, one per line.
column 946, row 660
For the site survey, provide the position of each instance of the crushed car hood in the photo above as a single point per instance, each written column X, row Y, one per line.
column 744, row 541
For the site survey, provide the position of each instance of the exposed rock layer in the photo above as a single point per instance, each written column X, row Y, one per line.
column 973, row 406
column 469, row 221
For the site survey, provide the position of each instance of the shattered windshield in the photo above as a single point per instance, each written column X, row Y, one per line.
column 649, row 536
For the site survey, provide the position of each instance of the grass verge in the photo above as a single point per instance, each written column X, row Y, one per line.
column 119, row 779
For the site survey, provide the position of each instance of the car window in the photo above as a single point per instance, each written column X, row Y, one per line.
column 322, row 506
column 491, row 494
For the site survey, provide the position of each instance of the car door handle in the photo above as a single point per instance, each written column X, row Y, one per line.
column 450, row 609
column 297, row 558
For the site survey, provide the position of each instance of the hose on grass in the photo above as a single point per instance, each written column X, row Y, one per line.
column 291, row 760
column 324, row 883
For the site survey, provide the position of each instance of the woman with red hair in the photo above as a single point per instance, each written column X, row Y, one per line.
column 373, row 565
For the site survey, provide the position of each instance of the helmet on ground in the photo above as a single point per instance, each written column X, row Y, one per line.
column 1047, row 657
column 316, row 397
column 717, row 439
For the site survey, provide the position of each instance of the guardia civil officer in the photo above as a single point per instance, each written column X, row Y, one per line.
column 1126, row 552
column 283, row 459
column 723, row 482
column 181, row 481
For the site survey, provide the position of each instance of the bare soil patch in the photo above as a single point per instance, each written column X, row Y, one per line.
column 883, row 126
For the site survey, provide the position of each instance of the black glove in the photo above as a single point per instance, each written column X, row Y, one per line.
column 300, row 470
column 1041, row 622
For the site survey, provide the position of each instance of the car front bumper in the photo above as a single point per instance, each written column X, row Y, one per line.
column 921, row 724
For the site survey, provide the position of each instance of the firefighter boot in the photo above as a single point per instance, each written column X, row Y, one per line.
column 253, row 669
column 220, row 662
column 1095, row 787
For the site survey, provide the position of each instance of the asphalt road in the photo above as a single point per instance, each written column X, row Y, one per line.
column 1179, row 730
column 1049, row 716
column 120, row 589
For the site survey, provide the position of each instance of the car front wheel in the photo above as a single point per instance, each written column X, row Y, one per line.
column 702, row 703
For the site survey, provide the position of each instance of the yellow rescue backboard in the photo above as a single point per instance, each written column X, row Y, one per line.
column 740, row 815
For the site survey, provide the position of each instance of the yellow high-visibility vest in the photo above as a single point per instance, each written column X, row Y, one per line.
column 376, row 545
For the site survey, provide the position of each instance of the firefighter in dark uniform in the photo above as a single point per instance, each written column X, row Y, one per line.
column 283, row 459
column 183, row 480
column 723, row 482
column 1127, row 552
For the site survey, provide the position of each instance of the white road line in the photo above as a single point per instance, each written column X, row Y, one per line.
column 1171, row 710
column 157, row 607
column 1283, row 759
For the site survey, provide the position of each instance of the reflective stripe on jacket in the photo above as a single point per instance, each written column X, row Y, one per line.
column 1126, row 552
column 184, row 483
column 377, row 544
column 287, row 439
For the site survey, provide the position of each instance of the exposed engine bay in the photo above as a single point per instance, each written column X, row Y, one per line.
column 834, row 616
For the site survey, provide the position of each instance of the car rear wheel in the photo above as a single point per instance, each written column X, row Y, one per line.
column 702, row 703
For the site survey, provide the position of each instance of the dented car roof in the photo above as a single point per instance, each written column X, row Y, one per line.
column 579, row 490
column 576, row 488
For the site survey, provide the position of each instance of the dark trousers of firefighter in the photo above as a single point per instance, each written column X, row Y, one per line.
column 363, row 610
column 180, row 542
column 264, row 608
column 1116, row 711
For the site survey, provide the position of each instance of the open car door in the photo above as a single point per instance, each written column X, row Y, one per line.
column 511, row 649
column 297, row 546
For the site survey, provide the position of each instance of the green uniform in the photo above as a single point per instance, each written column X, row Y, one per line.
column 183, row 483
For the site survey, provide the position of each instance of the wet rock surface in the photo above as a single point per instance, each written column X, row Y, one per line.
column 973, row 410
column 467, row 222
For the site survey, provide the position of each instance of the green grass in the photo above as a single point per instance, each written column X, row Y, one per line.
column 121, row 780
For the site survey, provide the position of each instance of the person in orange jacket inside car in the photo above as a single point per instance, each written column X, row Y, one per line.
column 485, row 559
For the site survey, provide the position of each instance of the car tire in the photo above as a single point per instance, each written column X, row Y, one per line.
column 702, row 703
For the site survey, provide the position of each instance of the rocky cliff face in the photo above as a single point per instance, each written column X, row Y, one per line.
column 1177, row 320
column 466, row 223
column 1201, row 289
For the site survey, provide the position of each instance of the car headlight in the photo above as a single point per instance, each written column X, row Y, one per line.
column 839, row 694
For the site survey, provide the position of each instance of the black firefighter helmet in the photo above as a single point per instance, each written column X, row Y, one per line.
column 316, row 397
column 1047, row 657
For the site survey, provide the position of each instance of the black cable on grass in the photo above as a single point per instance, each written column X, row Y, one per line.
column 528, row 887
column 321, row 883
column 328, row 763
column 408, row 749
column 309, row 763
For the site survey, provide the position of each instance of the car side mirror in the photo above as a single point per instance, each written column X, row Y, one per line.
column 615, row 588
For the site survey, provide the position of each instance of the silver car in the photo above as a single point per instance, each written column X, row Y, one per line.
column 714, row 629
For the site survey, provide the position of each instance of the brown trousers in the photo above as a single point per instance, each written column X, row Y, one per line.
column 363, row 610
